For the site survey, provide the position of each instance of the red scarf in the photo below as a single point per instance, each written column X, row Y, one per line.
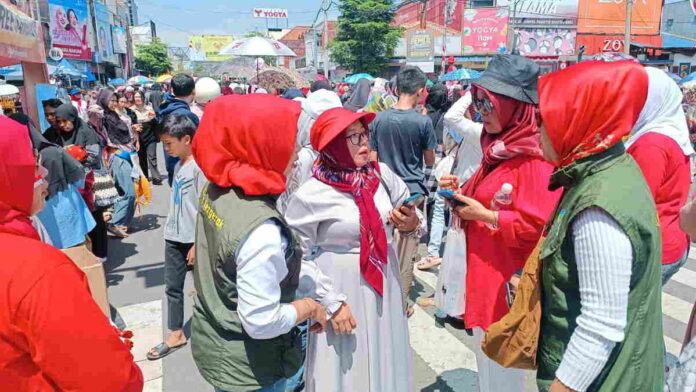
column 335, row 167
column 519, row 136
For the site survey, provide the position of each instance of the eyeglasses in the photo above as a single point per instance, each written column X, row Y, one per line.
column 357, row 138
column 483, row 105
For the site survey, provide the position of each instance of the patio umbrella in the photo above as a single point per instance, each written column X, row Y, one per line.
column 166, row 78
column 117, row 81
column 8, row 89
column 140, row 79
column 257, row 47
column 288, row 78
column 460, row 74
column 352, row 79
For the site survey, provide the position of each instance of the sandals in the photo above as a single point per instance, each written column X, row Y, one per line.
column 428, row 262
column 162, row 350
column 117, row 231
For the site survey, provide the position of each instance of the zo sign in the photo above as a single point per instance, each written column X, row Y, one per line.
column 270, row 13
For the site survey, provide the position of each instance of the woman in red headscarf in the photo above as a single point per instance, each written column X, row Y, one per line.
column 53, row 337
column 345, row 215
column 499, row 239
column 249, row 268
column 601, row 323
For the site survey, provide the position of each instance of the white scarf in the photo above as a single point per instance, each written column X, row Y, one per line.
column 663, row 112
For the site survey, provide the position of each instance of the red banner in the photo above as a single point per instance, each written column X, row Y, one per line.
column 485, row 30
column 19, row 35
column 613, row 43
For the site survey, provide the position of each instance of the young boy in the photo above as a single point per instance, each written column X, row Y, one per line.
column 176, row 135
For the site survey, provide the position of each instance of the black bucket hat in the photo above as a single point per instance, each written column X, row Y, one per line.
column 513, row 76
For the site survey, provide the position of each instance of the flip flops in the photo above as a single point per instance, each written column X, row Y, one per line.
column 428, row 262
column 162, row 351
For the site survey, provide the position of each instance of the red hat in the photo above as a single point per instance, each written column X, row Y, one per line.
column 334, row 121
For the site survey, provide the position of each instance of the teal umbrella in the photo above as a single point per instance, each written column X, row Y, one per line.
column 461, row 74
column 352, row 79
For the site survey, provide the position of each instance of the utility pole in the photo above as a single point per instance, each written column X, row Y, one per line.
column 325, row 6
column 627, row 37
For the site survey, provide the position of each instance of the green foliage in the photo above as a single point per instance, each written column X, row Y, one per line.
column 365, row 41
column 153, row 59
column 268, row 60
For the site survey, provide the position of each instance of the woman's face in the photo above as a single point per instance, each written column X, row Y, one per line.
column 122, row 103
column 40, row 190
column 113, row 103
column 72, row 18
column 546, row 146
column 60, row 17
column 357, row 139
column 491, row 121
column 138, row 99
column 64, row 124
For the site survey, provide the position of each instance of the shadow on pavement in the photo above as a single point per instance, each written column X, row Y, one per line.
column 147, row 222
column 459, row 380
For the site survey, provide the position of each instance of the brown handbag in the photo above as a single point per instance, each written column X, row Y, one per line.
column 512, row 342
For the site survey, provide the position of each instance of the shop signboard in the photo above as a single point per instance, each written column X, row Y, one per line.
column 684, row 69
column 542, row 9
column 20, row 37
column 68, row 21
column 485, row 30
column 613, row 43
column 208, row 47
column 106, row 48
column 609, row 16
column 419, row 44
column 270, row 13
column 118, row 35
column 545, row 42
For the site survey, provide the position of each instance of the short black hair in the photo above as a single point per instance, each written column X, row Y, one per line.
column 320, row 85
column 183, row 85
column 53, row 102
column 177, row 125
column 410, row 79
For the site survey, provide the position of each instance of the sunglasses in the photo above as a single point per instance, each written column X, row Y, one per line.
column 484, row 105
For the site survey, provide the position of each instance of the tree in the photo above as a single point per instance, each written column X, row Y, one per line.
column 268, row 60
column 365, row 41
column 153, row 59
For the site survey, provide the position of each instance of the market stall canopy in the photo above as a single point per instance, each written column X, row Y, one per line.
column 273, row 77
column 64, row 68
column 689, row 78
column 256, row 47
column 166, row 78
column 239, row 67
column 460, row 74
column 352, row 79
column 117, row 81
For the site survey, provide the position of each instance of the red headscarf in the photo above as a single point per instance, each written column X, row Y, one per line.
column 335, row 167
column 247, row 141
column 17, row 172
column 519, row 135
column 591, row 106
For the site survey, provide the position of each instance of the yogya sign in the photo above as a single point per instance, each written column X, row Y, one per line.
column 270, row 13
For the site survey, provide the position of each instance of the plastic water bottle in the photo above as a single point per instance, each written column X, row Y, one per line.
column 502, row 198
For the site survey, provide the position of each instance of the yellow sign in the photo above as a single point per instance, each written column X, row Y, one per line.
column 207, row 47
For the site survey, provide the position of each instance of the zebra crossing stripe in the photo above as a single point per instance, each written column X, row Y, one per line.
column 676, row 308
column 686, row 277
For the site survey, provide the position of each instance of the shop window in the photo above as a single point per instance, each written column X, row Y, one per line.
column 482, row 3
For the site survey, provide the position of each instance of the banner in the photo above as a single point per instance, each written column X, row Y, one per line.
column 118, row 35
column 68, row 21
column 545, row 42
column 609, row 17
column 485, row 30
column 207, row 47
column 419, row 44
column 19, row 33
column 270, row 13
column 542, row 9
column 106, row 49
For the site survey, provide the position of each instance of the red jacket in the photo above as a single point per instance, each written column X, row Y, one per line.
column 53, row 337
column 667, row 171
column 493, row 256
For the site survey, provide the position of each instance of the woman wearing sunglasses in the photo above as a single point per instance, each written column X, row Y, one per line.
column 500, row 236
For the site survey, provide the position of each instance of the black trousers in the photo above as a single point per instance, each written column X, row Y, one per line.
column 147, row 156
column 174, row 277
column 98, row 236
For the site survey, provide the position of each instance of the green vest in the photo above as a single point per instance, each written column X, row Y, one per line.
column 225, row 354
column 612, row 181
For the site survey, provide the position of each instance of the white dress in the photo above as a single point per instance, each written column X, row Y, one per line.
column 376, row 357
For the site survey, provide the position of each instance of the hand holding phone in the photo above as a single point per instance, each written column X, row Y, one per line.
column 412, row 201
column 449, row 196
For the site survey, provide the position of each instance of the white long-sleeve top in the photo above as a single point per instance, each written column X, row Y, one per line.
column 604, row 256
column 469, row 153
column 261, row 266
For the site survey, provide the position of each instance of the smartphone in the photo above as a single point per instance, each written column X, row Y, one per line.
column 449, row 196
column 414, row 200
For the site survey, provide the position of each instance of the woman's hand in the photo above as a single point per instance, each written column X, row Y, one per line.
column 404, row 219
column 191, row 256
column 449, row 182
column 473, row 210
column 319, row 315
column 343, row 321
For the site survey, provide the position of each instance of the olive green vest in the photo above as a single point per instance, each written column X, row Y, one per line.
column 612, row 181
column 225, row 354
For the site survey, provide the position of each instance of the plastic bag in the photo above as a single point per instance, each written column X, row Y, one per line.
column 450, row 293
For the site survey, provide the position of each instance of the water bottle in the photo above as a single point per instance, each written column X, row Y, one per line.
column 502, row 198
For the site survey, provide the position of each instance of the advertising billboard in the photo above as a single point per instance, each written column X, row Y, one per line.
column 613, row 43
column 68, row 21
column 207, row 47
column 545, row 42
column 485, row 30
column 609, row 16
column 438, row 12
column 118, row 35
column 19, row 33
column 270, row 13
column 419, row 44
column 106, row 48
column 542, row 9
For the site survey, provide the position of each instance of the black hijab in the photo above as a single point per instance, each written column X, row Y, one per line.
column 81, row 135
column 437, row 105
column 115, row 127
column 358, row 98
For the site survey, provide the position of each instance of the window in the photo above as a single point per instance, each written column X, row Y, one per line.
column 668, row 26
column 482, row 3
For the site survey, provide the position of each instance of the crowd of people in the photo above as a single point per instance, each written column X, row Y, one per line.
column 301, row 214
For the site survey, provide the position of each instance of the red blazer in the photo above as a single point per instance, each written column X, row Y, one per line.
column 493, row 256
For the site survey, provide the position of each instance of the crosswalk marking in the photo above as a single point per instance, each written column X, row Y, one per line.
column 676, row 308
column 685, row 276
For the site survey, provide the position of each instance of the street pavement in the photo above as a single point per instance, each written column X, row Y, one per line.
column 443, row 356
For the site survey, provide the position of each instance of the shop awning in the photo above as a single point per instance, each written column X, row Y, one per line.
column 671, row 41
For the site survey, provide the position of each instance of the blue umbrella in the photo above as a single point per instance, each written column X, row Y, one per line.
column 460, row 74
column 117, row 81
column 352, row 79
column 689, row 78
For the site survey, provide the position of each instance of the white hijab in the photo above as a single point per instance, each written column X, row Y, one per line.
column 663, row 112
